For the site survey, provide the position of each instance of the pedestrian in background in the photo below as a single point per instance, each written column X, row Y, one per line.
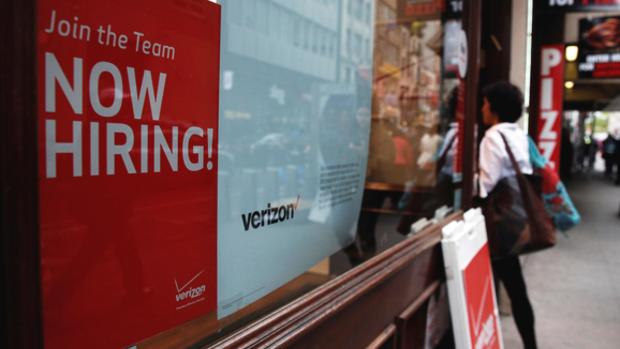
column 617, row 155
column 502, row 107
column 609, row 154
column 567, row 153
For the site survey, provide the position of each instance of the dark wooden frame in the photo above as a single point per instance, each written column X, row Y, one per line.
column 472, row 12
column 355, row 309
column 21, row 324
column 496, row 42
column 387, row 335
column 414, row 318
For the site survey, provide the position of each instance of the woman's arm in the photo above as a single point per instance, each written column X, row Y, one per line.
column 491, row 158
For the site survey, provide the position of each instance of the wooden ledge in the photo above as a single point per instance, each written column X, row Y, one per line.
column 300, row 317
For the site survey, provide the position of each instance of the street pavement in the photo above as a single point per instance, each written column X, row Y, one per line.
column 575, row 286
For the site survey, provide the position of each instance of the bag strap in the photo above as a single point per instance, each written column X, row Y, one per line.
column 511, row 155
column 442, row 158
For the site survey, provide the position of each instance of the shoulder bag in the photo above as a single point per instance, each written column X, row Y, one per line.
column 557, row 202
column 515, row 215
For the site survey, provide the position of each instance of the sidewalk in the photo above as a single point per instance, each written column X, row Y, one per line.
column 575, row 287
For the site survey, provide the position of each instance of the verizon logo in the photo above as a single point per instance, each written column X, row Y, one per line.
column 487, row 337
column 485, row 332
column 187, row 292
column 191, row 293
column 270, row 215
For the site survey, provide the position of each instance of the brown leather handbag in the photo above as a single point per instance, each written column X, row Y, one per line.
column 516, row 219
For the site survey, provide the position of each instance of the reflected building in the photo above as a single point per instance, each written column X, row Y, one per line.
column 356, row 35
column 288, row 67
column 388, row 40
column 276, row 51
column 301, row 37
column 296, row 55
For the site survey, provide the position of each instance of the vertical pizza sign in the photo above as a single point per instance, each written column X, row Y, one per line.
column 127, row 133
column 551, row 98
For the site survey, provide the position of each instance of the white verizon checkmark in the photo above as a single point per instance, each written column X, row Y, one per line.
column 478, row 319
column 189, row 282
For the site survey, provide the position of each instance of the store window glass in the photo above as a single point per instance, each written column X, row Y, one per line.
column 346, row 104
column 294, row 120
column 417, row 108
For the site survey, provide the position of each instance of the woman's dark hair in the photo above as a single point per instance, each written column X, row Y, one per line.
column 506, row 100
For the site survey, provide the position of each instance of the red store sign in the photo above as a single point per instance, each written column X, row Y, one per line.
column 127, row 132
column 551, row 100
column 479, row 293
column 409, row 8
column 471, row 291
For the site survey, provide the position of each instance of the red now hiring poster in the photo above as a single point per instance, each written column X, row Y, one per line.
column 480, row 299
column 551, row 103
column 127, row 134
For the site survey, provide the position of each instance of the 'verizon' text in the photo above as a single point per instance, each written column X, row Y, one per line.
column 270, row 215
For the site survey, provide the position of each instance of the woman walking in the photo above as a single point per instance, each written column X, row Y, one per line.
column 502, row 107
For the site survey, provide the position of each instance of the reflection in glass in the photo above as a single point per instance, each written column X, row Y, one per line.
column 307, row 89
column 412, row 165
column 294, row 125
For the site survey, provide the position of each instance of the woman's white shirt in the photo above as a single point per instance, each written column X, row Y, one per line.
column 494, row 161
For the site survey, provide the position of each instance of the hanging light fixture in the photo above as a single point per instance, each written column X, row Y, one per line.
column 571, row 52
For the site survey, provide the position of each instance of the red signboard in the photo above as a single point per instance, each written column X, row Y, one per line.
column 127, row 133
column 576, row 5
column 599, row 49
column 415, row 8
column 551, row 99
column 478, row 282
